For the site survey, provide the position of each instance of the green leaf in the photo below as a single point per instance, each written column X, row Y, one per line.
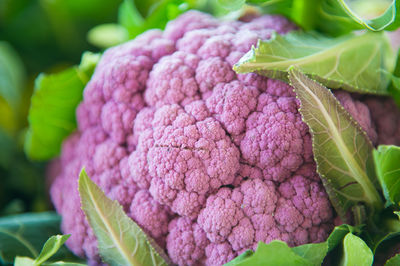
column 314, row 253
column 107, row 35
column 160, row 13
column 382, row 22
column 394, row 86
column 25, row 234
column 335, row 17
column 51, row 246
column 393, row 261
column 120, row 239
column 274, row 253
column 232, row 5
column 338, row 233
column 52, row 112
column 342, row 150
column 387, row 158
column 278, row 253
column 356, row 252
column 129, row 16
column 12, row 75
column 25, row 261
column 330, row 61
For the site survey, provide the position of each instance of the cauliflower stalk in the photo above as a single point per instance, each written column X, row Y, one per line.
column 206, row 161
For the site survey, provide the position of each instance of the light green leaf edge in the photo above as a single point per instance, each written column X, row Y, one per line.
column 341, row 148
column 120, row 239
column 356, row 252
column 330, row 61
column 387, row 165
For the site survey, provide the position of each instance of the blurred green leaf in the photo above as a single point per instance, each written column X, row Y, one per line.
column 12, row 74
column 134, row 22
column 107, row 35
column 128, row 16
column 49, row 32
column 7, row 149
column 393, row 261
column 25, row 234
column 335, row 17
column 232, row 5
column 52, row 113
column 159, row 14
column 387, row 166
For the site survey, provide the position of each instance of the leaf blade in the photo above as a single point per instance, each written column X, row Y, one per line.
column 52, row 112
column 25, row 234
column 328, row 60
column 109, row 223
column 356, row 252
column 341, row 148
column 387, row 158
column 51, row 246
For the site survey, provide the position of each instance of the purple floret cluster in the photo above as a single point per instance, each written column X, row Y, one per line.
column 208, row 162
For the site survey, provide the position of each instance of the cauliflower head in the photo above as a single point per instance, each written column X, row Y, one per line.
column 208, row 162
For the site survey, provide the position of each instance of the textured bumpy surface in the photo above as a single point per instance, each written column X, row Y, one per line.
column 206, row 161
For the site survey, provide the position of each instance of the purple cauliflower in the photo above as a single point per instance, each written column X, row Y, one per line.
column 208, row 162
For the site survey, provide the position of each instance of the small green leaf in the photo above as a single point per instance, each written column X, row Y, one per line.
column 120, row 239
column 25, row 234
column 393, row 261
column 356, row 252
column 387, row 165
column 51, row 246
column 330, row 61
column 342, row 150
column 52, row 112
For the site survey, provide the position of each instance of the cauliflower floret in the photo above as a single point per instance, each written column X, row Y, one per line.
column 188, row 158
column 208, row 162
